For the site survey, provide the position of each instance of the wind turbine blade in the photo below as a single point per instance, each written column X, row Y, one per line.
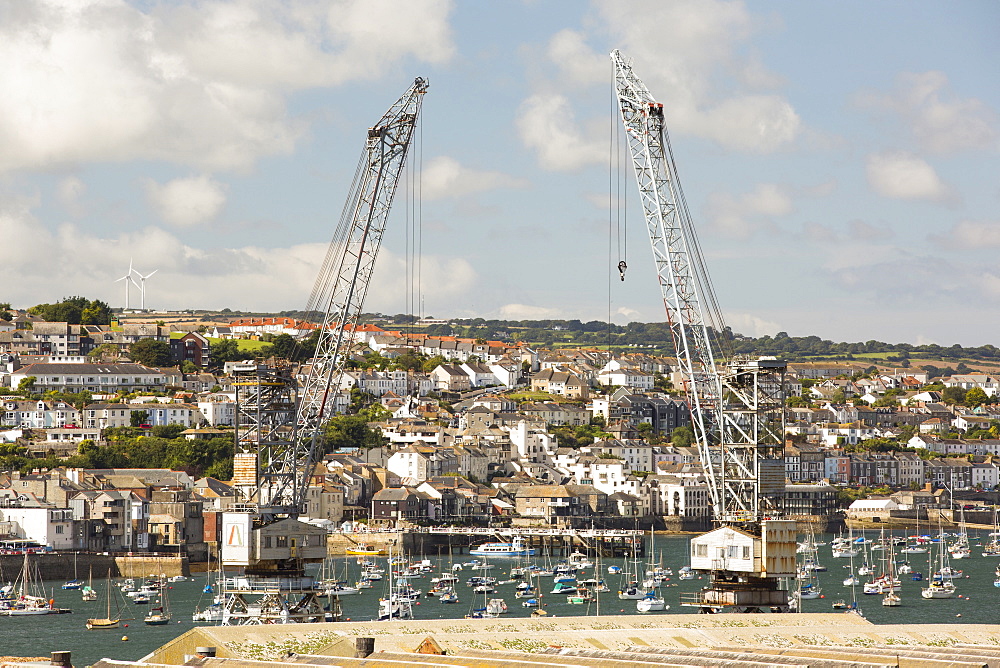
column 150, row 273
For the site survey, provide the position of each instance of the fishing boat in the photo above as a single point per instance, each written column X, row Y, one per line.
column 515, row 548
column 109, row 621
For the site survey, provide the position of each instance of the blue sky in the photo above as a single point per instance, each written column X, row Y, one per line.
column 840, row 159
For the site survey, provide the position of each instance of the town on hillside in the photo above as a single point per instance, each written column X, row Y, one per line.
column 120, row 436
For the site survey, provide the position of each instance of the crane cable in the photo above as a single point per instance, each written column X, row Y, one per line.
column 617, row 207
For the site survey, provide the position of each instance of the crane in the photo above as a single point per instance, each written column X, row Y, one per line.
column 278, row 436
column 736, row 405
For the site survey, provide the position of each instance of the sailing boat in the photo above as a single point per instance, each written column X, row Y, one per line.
column 88, row 592
column 992, row 548
column 396, row 605
column 75, row 582
column 891, row 598
column 160, row 613
column 106, row 622
column 940, row 586
column 960, row 548
column 28, row 601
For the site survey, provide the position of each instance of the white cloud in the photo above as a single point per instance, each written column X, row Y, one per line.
column 188, row 201
column 938, row 120
column 202, row 84
column 901, row 175
column 547, row 124
column 694, row 56
column 526, row 312
column 743, row 215
column 577, row 61
column 974, row 234
column 751, row 325
column 249, row 277
column 445, row 177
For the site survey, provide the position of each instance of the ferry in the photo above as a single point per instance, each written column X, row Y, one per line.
column 515, row 548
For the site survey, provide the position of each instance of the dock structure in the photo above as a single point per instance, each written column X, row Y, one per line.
column 545, row 541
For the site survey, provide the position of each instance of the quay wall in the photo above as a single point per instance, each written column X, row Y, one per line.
column 59, row 565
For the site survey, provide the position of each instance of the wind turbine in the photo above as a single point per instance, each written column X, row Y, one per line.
column 142, row 287
column 128, row 279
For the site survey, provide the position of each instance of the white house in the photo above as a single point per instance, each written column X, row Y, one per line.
column 45, row 526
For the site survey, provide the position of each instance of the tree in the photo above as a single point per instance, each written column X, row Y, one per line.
column 151, row 352
column 138, row 418
column 27, row 384
column 190, row 367
column 105, row 351
column 5, row 313
column 228, row 350
column 682, row 437
column 351, row 431
column 96, row 313
column 976, row 396
column 953, row 395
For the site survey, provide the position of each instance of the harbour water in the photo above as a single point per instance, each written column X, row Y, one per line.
column 39, row 635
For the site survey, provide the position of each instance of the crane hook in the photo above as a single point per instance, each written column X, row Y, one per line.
column 621, row 268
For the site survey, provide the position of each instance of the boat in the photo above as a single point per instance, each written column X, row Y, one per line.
column 614, row 570
column 448, row 595
column 948, row 573
column 365, row 550
column 685, row 573
column 891, row 599
column 651, row 603
column 27, row 595
column 140, row 599
column 992, row 548
column 75, row 582
column 515, row 548
column 159, row 615
column 633, row 593
column 340, row 590
column 109, row 621
column 851, row 581
column 398, row 604
column 564, row 588
column 496, row 606
column 530, row 603
column 178, row 578
column 88, row 592
column 939, row 586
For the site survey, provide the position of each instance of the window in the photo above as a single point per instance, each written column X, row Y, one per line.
column 701, row 550
column 267, row 542
column 746, row 551
column 282, row 541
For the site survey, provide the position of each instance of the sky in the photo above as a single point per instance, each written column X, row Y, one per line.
column 841, row 160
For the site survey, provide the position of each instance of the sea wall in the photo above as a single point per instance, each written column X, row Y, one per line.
column 59, row 566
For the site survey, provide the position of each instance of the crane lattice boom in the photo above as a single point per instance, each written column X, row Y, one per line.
column 736, row 407
column 338, row 296
column 677, row 258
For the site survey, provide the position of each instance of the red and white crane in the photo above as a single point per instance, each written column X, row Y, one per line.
column 737, row 404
